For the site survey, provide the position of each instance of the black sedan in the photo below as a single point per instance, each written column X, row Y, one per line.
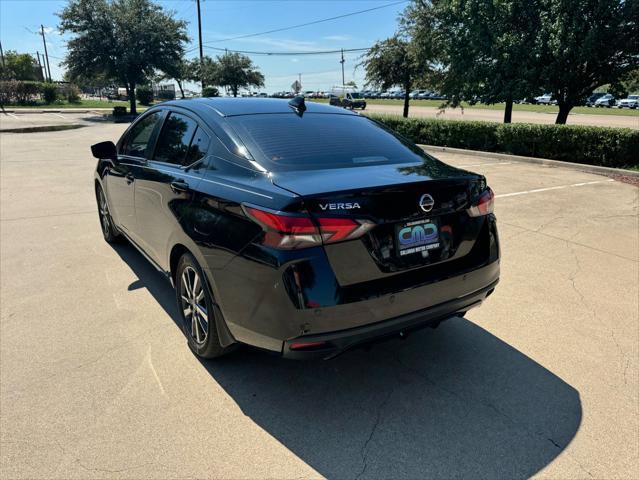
column 302, row 229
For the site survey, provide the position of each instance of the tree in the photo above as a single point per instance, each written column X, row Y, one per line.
column 392, row 62
column 232, row 71
column 487, row 50
column 587, row 43
column 182, row 70
column 20, row 66
column 630, row 81
column 127, row 40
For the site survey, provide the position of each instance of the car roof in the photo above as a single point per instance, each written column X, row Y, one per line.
column 228, row 107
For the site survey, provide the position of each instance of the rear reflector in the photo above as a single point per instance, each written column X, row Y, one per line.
column 308, row 345
column 485, row 204
column 287, row 232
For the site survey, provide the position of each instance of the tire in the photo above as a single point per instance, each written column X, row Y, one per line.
column 194, row 298
column 109, row 231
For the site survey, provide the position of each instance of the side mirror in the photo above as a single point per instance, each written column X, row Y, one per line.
column 104, row 150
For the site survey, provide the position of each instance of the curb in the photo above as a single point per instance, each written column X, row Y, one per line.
column 538, row 161
column 54, row 110
column 43, row 128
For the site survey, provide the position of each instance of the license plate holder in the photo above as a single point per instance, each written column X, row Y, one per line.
column 417, row 237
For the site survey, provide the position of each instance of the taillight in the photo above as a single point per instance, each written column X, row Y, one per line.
column 484, row 205
column 288, row 232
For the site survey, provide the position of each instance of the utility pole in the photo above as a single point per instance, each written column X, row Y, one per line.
column 299, row 76
column 46, row 54
column 1, row 54
column 199, row 30
column 40, row 64
column 342, row 62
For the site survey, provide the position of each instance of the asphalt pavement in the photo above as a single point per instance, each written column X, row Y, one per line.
column 96, row 379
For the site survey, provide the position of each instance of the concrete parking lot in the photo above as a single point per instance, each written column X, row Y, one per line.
column 96, row 379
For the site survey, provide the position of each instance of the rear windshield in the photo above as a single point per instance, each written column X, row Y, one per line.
column 317, row 141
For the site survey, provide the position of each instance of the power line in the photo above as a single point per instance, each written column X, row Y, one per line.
column 301, row 24
column 313, row 52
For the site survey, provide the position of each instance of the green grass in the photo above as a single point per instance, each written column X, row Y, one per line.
column 551, row 109
column 82, row 104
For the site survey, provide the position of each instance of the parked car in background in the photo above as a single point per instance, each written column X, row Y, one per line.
column 424, row 94
column 385, row 94
column 545, row 99
column 436, row 96
column 631, row 101
column 590, row 102
column 414, row 95
column 301, row 234
column 606, row 100
column 398, row 94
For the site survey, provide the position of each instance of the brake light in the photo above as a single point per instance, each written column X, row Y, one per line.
column 288, row 232
column 485, row 204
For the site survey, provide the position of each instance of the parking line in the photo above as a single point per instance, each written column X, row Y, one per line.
column 57, row 115
column 559, row 187
column 12, row 115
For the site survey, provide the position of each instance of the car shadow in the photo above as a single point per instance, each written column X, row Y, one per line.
column 446, row 403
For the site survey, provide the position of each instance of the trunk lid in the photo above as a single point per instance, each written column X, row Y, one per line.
column 390, row 196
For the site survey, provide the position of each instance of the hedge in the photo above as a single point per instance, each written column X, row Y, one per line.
column 144, row 94
column 609, row 147
column 22, row 92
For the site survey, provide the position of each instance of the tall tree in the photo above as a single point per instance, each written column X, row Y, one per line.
column 19, row 66
column 182, row 70
column 393, row 62
column 233, row 71
column 123, row 39
column 487, row 50
column 587, row 43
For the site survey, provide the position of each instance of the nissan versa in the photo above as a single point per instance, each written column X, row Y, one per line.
column 302, row 229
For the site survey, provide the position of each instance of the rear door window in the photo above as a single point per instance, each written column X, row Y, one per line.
column 174, row 139
column 136, row 143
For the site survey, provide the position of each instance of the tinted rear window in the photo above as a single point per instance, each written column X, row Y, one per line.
column 316, row 141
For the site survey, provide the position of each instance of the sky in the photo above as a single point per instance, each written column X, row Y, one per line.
column 20, row 22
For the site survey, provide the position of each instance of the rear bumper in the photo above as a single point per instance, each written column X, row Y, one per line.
column 334, row 343
column 269, row 298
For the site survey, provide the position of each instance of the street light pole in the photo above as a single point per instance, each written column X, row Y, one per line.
column 199, row 29
column 342, row 62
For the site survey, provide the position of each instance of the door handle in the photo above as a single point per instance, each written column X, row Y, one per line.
column 179, row 186
column 129, row 178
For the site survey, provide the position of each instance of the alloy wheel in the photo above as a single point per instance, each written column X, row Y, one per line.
column 193, row 303
column 105, row 218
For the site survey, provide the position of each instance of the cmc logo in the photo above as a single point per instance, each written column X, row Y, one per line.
column 418, row 235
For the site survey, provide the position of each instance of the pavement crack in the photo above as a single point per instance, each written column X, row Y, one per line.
column 378, row 417
column 593, row 312
column 569, row 240
column 525, row 429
